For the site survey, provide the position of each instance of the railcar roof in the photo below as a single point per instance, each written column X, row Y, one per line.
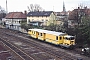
column 49, row 32
column 68, row 36
column 35, row 29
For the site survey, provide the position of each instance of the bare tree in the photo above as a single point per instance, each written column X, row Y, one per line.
column 35, row 7
column 2, row 10
column 31, row 7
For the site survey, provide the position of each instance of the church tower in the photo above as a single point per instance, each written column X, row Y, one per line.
column 64, row 10
column 65, row 17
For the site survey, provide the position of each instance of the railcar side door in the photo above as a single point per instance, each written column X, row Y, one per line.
column 60, row 39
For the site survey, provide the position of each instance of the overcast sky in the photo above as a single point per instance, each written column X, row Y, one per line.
column 47, row 5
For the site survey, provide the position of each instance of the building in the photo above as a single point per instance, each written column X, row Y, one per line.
column 61, row 16
column 41, row 18
column 13, row 20
column 75, row 16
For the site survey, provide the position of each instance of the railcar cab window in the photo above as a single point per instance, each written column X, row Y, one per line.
column 69, row 38
column 29, row 30
column 33, row 32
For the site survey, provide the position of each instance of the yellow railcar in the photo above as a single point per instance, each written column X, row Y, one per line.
column 41, row 36
column 33, row 33
column 57, row 38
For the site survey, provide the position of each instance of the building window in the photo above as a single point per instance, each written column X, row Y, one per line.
column 28, row 20
column 46, row 20
column 14, row 21
column 56, row 37
column 19, row 21
column 42, row 20
column 32, row 19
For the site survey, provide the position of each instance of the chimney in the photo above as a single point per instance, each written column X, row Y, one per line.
column 85, row 7
column 25, row 12
column 78, row 7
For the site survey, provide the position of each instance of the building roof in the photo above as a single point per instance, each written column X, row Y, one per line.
column 73, row 15
column 61, row 13
column 36, row 22
column 40, row 13
column 15, row 15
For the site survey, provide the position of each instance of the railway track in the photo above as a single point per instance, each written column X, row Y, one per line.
column 44, row 48
column 34, row 52
column 55, row 52
column 20, row 53
column 39, row 49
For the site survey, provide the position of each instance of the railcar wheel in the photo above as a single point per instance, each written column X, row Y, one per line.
column 62, row 47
